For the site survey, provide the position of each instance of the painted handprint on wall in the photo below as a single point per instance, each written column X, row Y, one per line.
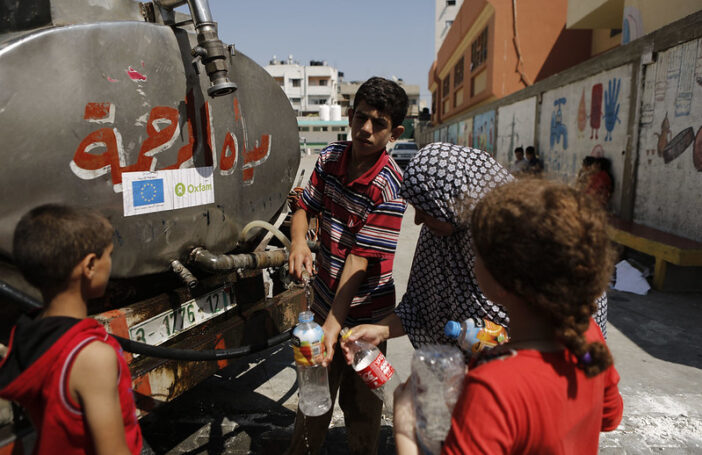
column 611, row 100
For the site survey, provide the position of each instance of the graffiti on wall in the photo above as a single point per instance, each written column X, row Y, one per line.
column 452, row 133
column 611, row 114
column 587, row 117
column 102, row 152
column 484, row 132
column 558, row 129
column 515, row 128
column 670, row 143
column 632, row 24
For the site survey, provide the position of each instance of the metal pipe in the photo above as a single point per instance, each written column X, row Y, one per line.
column 184, row 274
column 210, row 49
column 226, row 262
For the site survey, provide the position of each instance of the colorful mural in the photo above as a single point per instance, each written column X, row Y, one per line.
column 670, row 143
column 515, row 128
column 599, row 102
column 452, row 134
column 484, row 132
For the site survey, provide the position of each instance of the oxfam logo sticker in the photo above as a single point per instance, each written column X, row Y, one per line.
column 180, row 189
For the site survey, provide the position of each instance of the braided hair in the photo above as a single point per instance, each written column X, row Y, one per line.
column 548, row 244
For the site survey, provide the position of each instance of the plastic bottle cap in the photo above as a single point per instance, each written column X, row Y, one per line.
column 345, row 332
column 452, row 329
column 305, row 316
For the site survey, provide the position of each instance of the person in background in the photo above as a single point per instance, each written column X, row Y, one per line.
column 520, row 164
column 543, row 253
column 535, row 165
column 355, row 187
column 442, row 285
column 600, row 184
column 582, row 180
column 62, row 366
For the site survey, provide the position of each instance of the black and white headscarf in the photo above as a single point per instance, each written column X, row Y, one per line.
column 441, row 180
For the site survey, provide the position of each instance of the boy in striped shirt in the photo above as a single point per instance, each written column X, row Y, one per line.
column 355, row 187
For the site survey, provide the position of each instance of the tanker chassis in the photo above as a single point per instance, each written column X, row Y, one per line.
column 186, row 145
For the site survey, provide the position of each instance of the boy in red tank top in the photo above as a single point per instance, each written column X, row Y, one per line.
column 62, row 367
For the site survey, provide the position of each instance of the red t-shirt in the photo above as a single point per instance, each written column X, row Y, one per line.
column 533, row 402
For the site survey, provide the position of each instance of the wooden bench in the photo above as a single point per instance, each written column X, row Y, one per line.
column 661, row 245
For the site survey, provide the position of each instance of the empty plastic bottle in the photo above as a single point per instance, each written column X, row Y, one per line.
column 437, row 378
column 476, row 334
column 312, row 378
column 373, row 367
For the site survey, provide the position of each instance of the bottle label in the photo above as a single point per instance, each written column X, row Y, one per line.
column 308, row 352
column 377, row 373
column 489, row 335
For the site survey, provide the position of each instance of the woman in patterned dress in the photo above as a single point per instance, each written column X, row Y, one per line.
column 442, row 183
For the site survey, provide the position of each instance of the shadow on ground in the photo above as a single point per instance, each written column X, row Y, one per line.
column 667, row 326
column 226, row 413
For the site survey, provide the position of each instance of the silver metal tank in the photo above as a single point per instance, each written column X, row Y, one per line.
column 91, row 92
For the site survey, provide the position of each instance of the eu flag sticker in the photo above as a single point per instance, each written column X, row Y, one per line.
column 147, row 192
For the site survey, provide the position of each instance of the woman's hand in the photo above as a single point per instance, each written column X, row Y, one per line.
column 371, row 333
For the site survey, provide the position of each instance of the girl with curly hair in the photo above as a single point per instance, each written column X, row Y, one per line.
column 543, row 254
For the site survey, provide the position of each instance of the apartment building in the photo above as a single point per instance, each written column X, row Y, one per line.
column 444, row 15
column 497, row 47
column 308, row 87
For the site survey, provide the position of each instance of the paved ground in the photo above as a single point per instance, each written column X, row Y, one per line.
column 656, row 341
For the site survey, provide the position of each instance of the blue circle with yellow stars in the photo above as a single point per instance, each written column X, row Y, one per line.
column 148, row 192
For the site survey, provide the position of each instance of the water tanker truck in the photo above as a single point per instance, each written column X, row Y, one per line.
column 186, row 145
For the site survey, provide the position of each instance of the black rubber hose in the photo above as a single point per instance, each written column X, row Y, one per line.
column 29, row 305
column 160, row 352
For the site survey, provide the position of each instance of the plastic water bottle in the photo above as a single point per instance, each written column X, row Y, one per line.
column 373, row 367
column 437, row 378
column 312, row 378
column 474, row 335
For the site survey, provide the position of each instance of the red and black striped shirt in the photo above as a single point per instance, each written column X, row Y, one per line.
column 363, row 218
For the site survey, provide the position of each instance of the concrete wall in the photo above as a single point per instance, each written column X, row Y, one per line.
column 515, row 128
column 587, row 117
column 669, row 174
column 639, row 105
column 484, row 131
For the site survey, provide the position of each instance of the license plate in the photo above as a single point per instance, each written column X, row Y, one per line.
column 161, row 328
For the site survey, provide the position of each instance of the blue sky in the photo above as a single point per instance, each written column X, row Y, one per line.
column 361, row 38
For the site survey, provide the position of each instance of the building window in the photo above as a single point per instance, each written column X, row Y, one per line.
column 450, row 2
column 458, row 98
column 447, row 106
column 458, row 73
column 295, row 100
column 341, row 137
column 323, row 82
column 296, row 82
column 446, row 87
column 478, row 50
